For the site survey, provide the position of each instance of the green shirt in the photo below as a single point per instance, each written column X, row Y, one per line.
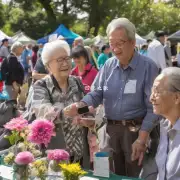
column 102, row 59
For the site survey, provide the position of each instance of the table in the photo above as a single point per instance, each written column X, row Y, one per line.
column 90, row 174
column 112, row 177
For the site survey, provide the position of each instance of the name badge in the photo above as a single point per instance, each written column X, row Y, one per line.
column 101, row 164
column 130, row 87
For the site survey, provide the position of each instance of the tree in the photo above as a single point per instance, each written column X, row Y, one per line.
column 2, row 18
column 41, row 17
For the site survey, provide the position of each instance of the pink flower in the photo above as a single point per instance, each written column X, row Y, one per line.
column 58, row 155
column 41, row 131
column 17, row 124
column 24, row 158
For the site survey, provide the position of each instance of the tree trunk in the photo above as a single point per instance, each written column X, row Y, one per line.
column 96, row 29
column 50, row 13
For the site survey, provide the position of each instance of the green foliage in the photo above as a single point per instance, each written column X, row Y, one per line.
column 38, row 18
column 80, row 28
column 14, row 137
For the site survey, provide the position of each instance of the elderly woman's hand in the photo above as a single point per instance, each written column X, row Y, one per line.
column 87, row 122
column 71, row 110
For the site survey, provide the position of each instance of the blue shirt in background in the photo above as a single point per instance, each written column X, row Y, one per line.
column 125, row 92
column 143, row 52
column 24, row 56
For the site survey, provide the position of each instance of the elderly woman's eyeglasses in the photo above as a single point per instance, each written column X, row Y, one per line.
column 60, row 60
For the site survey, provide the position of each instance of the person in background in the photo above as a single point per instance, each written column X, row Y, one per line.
column 96, row 51
column 39, row 72
column 15, row 77
column 156, row 50
column 78, row 42
column 92, row 59
column 165, row 99
column 40, row 50
column 87, row 73
column 25, row 61
column 34, row 55
column 143, row 49
column 168, row 55
column 149, row 41
column 103, row 57
column 83, row 68
column 4, row 52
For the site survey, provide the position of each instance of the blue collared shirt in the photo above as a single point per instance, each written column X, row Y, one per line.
column 125, row 92
column 168, row 153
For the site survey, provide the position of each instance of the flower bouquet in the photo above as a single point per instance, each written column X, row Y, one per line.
column 25, row 140
column 21, row 168
column 39, row 168
column 72, row 171
column 41, row 132
column 56, row 157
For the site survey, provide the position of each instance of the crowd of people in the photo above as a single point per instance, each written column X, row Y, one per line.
column 138, row 91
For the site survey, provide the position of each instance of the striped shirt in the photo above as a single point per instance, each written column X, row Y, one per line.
column 48, row 101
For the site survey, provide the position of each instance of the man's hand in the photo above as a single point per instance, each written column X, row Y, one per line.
column 138, row 150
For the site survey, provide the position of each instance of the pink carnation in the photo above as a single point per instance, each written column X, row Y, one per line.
column 58, row 155
column 17, row 124
column 41, row 131
column 24, row 158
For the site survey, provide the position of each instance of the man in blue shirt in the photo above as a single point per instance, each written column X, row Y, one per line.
column 123, row 85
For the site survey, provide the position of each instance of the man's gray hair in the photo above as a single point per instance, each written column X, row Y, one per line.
column 15, row 46
column 173, row 75
column 122, row 23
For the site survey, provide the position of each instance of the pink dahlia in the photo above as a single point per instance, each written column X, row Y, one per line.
column 41, row 131
column 58, row 155
column 16, row 124
column 24, row 158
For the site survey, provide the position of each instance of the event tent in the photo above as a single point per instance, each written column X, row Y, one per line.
column 175, row 36
column 3, row 35
column 21, row 37
column 100, row 40
column 139, row 40
column 151, row 35
column 61, row 31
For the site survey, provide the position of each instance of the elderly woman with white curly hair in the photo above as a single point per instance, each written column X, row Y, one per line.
column 56, row 91
column 14, row 72
column 165, row 98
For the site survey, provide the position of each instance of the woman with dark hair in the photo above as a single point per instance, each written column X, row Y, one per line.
column 87, row 73
column 83, row 69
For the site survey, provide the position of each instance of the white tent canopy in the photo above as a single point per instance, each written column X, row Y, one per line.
column 100, row 40
column 3, row 36
column 140, row 40
column 21, row 37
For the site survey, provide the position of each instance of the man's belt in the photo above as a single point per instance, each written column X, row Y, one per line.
column 133, row 122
